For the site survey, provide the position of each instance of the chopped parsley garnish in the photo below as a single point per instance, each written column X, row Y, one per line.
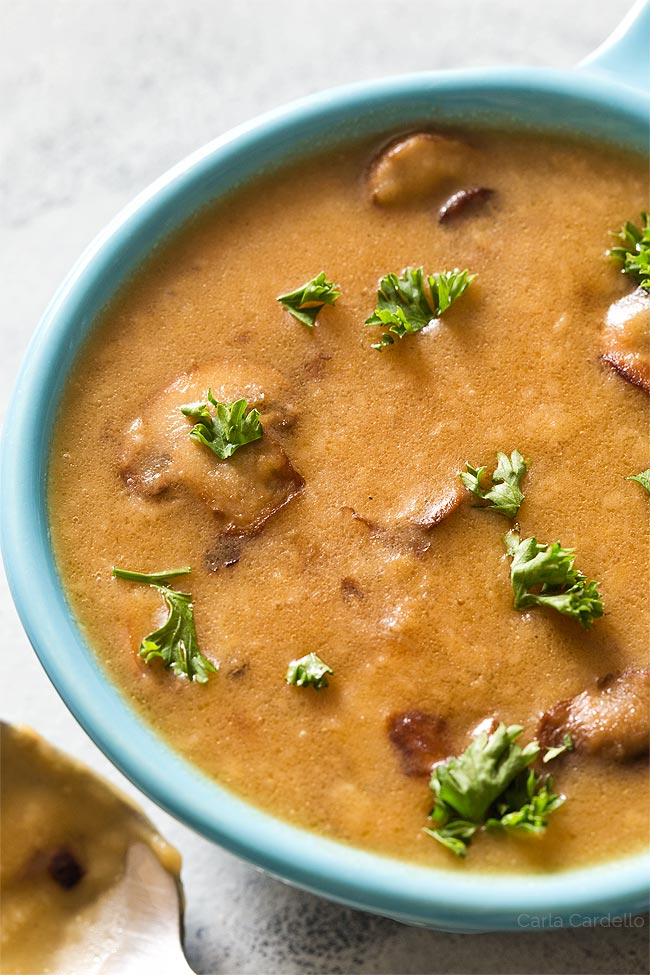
column 175, row 642
column 309, row 670
column 306, row 301
column 543, row 575
column 566, row 746
column 643, row 479
column 488, row 786
column 408, row 303
column 470, row 783
column 633, row 252
column 225, row 430
column 505, row 494
column 526, row 805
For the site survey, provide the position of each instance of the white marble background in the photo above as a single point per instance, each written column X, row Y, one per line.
column 100, row 96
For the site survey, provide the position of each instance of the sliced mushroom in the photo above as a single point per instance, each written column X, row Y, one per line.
column 626, row 338
column 464, row 203
column 146, row 474
column 410, row 533
column 413, row 167
column 612, row 719
column 159, row 457
column 421, row 739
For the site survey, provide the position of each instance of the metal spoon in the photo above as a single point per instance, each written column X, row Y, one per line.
column 135, row 927
column 90, row 886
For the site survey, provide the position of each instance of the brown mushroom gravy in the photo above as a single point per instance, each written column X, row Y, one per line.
column 345, row 530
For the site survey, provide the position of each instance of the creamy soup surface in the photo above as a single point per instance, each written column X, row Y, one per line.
column 312, row 538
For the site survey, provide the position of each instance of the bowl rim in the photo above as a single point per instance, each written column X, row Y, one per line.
column 445, row 898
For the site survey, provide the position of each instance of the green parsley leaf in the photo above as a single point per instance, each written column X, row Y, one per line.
column 633, row 252
column 529, row 812
column 456, row 835
column 643, row 478
column 543, row 575
column 489, row 786
column 225, row 430
column 175, row 642
column 309, row 670
column 151, row 578
column 408, row 303
column 566, row 746
column 306, row 301
column 505, row 495
column 470, row 783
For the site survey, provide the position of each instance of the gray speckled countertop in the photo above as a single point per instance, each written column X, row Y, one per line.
column 98, row 98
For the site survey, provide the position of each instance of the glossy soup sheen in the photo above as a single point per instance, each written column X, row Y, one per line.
column 515, row 363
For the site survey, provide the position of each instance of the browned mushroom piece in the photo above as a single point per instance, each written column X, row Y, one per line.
column 626, row 338
column 160, row 458
column 611, row 720
column 144, row 471
column 414, row 166
column 411, row 533
column 421, row 740
column 464, row 203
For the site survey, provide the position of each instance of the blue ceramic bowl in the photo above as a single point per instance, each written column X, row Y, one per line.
column 603, row 100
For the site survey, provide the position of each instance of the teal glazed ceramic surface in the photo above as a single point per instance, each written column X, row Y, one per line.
column 606, row 98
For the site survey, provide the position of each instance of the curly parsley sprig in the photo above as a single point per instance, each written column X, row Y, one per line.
column 307, row 301
column 505, row 494
column 409, row 302
column 225, row 430
column 543, row 575
column 633, row 251
column 175, row 642
column 490, row 787
column 526, row 805
column 309, row 670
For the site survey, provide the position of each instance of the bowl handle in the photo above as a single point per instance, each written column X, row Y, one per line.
column 625, row 55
